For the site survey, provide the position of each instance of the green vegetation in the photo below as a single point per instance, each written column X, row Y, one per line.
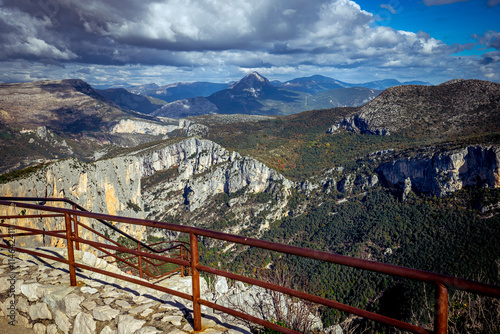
column 436, row 234
column 299, row 147
column 20, row 174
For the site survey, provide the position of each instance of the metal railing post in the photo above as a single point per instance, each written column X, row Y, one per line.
column 75, row 229
column 140, row 260
column 196, row 282
column 182, row 258
column 71, row 254
column 441, row 309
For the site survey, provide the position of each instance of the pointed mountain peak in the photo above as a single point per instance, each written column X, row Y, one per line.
column 252, row 80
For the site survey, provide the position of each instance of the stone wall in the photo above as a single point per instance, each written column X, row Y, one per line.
column 45, row 301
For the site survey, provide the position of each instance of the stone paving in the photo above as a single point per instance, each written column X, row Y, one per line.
column 46, row 303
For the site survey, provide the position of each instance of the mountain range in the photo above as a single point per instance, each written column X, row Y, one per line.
column 253, row 94
column 410, row 177
column 256, row 95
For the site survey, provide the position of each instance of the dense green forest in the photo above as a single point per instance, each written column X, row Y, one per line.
column 444, row 235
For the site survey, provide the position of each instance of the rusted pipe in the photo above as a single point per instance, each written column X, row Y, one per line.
column 195, row 282
column 71, row 254
column 75, row 228
column 441, row 313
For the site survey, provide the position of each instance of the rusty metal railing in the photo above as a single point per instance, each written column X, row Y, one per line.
column 442, row 282
column 130, row 264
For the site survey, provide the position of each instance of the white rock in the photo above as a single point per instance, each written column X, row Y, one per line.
column 39, row 328
column 107, row 330
column 89, row 304
column 146, row 312
column 52, row 329
column 104, row 313
column 84, row 324
column 174, row 320
column 100, row 263
column 62, row 321
column 147, row 330
column 54, row 296
column 39, row 311
column 89, row 259
column 221, row 285
column 31, row 291
column 17, row 286
column 72, row 304
column 123, row 303
column 22, row 304
column 112, row 294
column 128, row 324
column 142, row 308
column 89, row 290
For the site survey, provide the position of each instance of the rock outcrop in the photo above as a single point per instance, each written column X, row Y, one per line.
column 200, row 169
column 142, row 127
column 110, row 186
column 442, row 173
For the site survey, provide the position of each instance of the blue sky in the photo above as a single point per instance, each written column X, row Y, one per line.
column 120, row 42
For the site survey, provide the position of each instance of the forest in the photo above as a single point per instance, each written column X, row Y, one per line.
column 446, row 235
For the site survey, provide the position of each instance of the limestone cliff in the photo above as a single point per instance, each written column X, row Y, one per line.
column 110, row 186
column 203, row 180
column 442, row 173
column 134, row 126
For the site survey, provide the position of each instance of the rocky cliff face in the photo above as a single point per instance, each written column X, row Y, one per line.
column 442, row 173
column 134, row 126
column 110, row 186
column 200, row 182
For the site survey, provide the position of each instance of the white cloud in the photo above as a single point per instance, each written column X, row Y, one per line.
column 213, row 39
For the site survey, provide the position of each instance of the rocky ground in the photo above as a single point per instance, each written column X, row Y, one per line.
column 45, row 301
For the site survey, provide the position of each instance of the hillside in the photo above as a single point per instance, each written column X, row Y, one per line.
column 46, row 120
column 454, row 108
column 421, row 197
column 130, row 101
column 178, row 90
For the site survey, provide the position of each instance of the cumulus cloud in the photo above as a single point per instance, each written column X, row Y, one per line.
column 219, row 38
column 164, row 32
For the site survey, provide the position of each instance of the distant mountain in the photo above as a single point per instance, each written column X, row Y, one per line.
column 314, row 84
column 255, row 95
column 387, row 83
column 457, row 107
column 131, row 101
column 179, row 90
column 342, row 97
column 318, row 83
column 248, row 96
column 196, row 106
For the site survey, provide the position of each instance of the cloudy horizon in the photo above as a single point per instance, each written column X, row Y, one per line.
column 118, row 42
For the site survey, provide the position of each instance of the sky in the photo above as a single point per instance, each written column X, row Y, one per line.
column 133, row 42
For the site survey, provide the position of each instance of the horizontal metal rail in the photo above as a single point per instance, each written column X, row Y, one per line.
column 441, row 281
